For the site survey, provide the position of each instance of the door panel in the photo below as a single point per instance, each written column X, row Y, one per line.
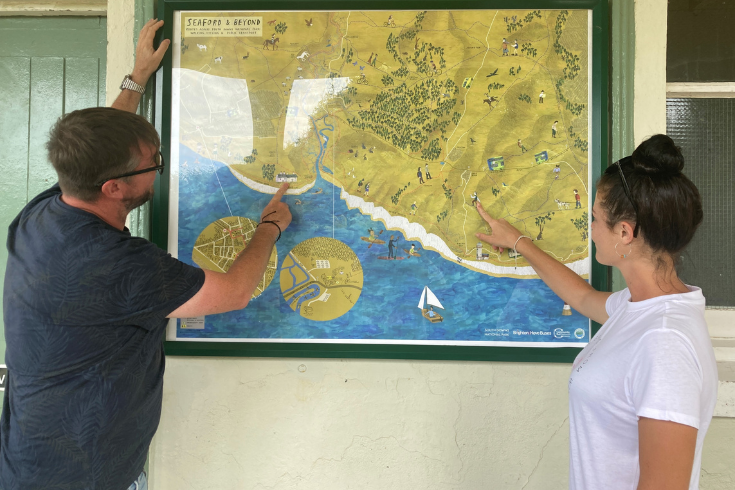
column 82, row 84
column 47, row 104
column 49, row 66
column 15, row 79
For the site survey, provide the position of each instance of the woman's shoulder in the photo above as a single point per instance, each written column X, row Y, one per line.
column 617, row 300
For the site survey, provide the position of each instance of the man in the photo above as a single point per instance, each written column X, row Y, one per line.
column 86, row 304
column 392, row 247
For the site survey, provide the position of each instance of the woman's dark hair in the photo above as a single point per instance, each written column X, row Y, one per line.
column 662, row 202
column 91, row 145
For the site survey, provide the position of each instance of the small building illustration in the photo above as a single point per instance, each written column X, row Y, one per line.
column 496, row 163
column 541, row 157
column 480, row 255
column 284, row 177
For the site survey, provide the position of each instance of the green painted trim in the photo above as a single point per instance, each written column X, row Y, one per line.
column 599, row 152
column 622, row 58
column 143, row 11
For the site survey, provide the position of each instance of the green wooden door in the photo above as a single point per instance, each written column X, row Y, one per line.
column 49, row 66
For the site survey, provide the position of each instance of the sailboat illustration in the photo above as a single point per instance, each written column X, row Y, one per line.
column 427, row 302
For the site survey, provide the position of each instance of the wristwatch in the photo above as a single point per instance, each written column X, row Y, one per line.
column 129, row 84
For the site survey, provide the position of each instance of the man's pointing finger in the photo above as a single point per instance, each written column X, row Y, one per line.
column 279, row 194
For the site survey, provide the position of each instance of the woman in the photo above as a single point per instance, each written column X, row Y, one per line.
column 642, row 393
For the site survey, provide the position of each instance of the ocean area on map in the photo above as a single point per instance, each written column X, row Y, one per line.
column 477, row 307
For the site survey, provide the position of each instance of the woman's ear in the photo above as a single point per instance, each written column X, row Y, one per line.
column 625, row 232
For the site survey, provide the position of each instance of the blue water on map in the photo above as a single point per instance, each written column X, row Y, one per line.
column 477, row 307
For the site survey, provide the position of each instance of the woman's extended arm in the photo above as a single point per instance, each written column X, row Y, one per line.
column 564, row 282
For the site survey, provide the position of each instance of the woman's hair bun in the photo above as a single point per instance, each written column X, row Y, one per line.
column 658, row 156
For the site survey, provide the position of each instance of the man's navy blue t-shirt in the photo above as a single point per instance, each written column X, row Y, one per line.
column 85, row 308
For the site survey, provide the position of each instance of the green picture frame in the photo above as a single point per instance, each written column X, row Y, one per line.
column 599, row 157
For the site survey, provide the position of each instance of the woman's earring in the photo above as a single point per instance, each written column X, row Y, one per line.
column 623, row 256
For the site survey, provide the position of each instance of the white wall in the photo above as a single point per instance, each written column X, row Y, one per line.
column 650, row 69
column 120, row 50
column 262, row 423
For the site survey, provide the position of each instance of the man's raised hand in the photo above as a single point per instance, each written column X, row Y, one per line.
column 148, row 59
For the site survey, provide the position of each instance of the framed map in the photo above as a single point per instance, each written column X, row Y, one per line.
column 390, row 125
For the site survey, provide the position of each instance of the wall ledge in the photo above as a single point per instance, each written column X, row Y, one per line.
column 708, row 90
column 95, row 8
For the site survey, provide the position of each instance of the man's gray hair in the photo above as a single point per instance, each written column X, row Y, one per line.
column 91, row 145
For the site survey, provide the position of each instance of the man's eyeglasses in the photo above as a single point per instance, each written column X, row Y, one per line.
column 160, row 165
column 627, row 191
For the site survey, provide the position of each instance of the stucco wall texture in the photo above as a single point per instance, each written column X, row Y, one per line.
column 339, row 424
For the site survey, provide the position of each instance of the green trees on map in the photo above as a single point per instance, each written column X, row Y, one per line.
column 251, row 158
column 401, row 72
column 447, row 190
column 404, row 116
column 391, row 44
column 528, row 49
column 269, row 171
column 578, row 142
column 517, row 24
column 581, row 225
column 281, row 28
column 540, row 222
column 432, row 151
column 395, row 197
column 570, row 72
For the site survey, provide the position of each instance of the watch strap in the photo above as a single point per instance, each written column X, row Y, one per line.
column 129, row 84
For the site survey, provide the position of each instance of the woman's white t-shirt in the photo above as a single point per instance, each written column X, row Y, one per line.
column 653, row 359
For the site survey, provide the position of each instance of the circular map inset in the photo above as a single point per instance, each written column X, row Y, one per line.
column 219, row 244
column 321, row 278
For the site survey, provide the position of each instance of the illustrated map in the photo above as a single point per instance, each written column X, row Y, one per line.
column 389, row 126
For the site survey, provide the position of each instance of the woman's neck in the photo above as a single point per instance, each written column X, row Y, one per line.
column 647, row 280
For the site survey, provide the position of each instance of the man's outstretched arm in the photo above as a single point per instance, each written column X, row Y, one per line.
column 147, row 61
column 232, row 290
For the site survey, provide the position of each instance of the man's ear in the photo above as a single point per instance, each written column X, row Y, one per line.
column 111, row 189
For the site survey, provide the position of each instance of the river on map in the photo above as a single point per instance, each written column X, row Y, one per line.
column 477, row 307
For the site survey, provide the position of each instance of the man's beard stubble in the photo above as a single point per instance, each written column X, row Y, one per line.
column 135, row 202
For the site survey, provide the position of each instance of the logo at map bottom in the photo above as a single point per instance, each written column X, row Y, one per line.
column 321, row 278
column 579, row 333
